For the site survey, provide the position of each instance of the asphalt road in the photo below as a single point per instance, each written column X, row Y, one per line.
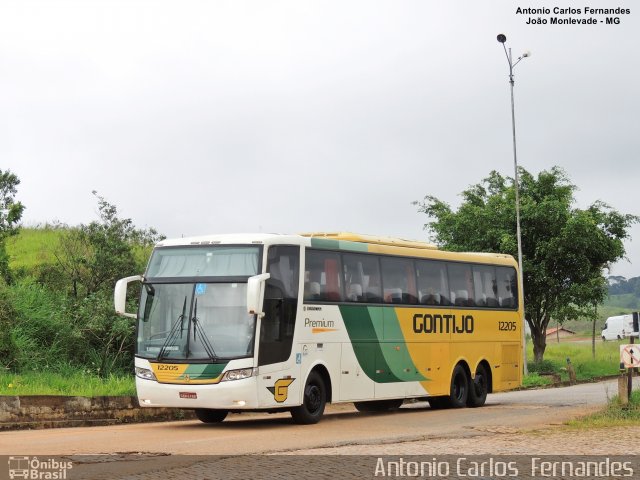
column 342, row 425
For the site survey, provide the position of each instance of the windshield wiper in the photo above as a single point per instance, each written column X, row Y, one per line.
column 173, row 332
column 201, row 334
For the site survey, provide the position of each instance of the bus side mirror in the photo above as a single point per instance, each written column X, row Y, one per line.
column 255, row 293
column 120, row 295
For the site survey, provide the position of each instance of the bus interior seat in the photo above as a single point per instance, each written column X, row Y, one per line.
column 355, row 292
column 507, row 302
column 430, row 299
column 462, row 298
column 313, row 291
column 393, row 295
column 492, row 302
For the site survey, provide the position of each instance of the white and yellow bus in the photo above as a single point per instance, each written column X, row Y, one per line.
column 233, row 323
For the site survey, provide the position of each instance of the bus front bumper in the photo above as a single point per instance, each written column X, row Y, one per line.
column 229, row 395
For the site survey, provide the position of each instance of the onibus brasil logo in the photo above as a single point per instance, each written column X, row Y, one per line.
column 36, row 469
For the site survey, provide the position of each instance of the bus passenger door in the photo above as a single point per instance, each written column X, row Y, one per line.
column 277, row 378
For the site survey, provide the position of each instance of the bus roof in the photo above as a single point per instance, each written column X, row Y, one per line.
column 371, row 239
column 346, row 241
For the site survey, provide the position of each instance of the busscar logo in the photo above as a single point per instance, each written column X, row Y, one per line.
column 280, row 389
column 35, row 468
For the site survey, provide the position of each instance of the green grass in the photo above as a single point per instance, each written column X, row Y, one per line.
column 614, row 415
column 535, row 380
column 73, row 384
column 606, row 363
column 33, row 247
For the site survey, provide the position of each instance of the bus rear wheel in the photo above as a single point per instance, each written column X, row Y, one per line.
column 459, row 391
column 313, row 403
column 207, row 415
column 478, row 388
column 378, row 405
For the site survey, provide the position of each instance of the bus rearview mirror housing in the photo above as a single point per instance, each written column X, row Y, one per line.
column 120, row 295
column 255, row 294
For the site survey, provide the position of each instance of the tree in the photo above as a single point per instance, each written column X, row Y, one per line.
column 93, row 257
column 565, row 249
column 10, row 215
column 90, row 259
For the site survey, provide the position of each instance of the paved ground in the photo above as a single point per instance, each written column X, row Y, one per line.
column 345, row 444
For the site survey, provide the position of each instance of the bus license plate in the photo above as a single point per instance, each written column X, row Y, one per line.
column 188, row 395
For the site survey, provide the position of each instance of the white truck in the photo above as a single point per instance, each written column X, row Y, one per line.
column 618, row 327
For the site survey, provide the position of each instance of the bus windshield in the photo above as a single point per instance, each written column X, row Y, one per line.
column 195, row 321
column 193, row 304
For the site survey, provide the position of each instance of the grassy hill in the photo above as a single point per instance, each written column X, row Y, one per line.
column 33, row 247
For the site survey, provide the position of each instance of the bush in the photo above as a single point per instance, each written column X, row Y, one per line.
column 39, row 333
column 544, row 367
column 7, row 316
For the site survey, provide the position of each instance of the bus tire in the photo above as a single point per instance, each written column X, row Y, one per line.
column 478, row 388
column 378, row 405
column 207, row 415
column 313, row 402
column 459, row 391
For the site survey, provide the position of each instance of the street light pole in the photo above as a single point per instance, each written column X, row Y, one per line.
column 502, row 39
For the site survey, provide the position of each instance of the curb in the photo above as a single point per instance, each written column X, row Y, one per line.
column 54, row 411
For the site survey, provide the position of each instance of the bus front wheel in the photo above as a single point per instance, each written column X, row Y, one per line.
column 313, row 403
column 207, row 415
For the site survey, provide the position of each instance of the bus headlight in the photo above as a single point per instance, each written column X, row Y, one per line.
column 145, row 373
column 238, row 374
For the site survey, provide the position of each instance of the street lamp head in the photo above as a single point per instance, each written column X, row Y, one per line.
column 526, row 54
column 502, row 38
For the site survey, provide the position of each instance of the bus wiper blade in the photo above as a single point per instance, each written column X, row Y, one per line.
column 201, row 334
column 173, row 332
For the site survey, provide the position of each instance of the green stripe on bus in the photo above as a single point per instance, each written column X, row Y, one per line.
column 366, row 342
column 331, row 244
column 394, row 348
column 205, row 371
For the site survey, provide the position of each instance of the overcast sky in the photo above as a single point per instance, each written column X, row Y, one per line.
column 199, row 117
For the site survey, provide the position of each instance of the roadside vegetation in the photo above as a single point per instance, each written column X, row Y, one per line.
column 58, row 331
column 614, row 415
column 553, row 368
column 73, row 383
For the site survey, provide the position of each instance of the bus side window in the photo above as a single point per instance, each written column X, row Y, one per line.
column 322, row 276
column 486, row 286
column 399, row 280
column 362, row 278
column 461, row 284
column 507, row 287
column 433, row 286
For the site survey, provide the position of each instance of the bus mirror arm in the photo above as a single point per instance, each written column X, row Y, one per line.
column 120, row 295
column 255, row 294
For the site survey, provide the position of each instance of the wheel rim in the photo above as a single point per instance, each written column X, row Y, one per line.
column 313, row 398
column 459, row 387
